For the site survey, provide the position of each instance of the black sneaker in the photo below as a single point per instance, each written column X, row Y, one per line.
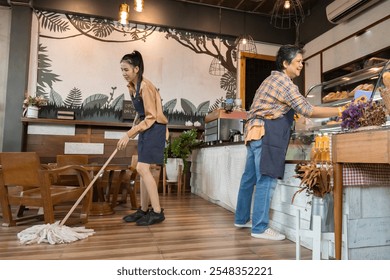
column 151, row 218
column 135, row 216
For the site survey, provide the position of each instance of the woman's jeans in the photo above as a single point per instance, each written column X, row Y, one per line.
column 263, row 186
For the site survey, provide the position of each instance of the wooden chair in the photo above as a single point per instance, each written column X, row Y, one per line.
column 178, row 182
column 129, row 184
column 70, row 177
column 23, row 169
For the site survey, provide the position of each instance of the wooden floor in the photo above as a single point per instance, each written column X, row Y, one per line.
column 194, row 229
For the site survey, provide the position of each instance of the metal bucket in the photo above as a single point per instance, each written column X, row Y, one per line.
column 323, row 206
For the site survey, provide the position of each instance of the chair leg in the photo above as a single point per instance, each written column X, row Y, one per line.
column 133, row 195
column 164, row 180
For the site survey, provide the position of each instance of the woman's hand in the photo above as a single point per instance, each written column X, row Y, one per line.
column 122, row 143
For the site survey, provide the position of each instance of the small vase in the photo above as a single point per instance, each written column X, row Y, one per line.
column 32, row 112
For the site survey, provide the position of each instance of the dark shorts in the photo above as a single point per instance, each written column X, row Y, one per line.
column 151, row 144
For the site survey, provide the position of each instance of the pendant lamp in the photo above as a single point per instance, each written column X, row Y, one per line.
column 245, row 42
column 287, row 14
column 216, row 67
column 124, row 10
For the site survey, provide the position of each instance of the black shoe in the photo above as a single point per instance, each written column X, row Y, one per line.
column 135, row 216
column 151, row 218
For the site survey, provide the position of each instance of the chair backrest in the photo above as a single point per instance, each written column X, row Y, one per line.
column 63, row 160
column 21, row 168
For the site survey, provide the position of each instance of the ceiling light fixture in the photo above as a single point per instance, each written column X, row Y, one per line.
column 245, row 43
column 286, row 18
column 216, row 67
column 139, row 5
column 124, row 11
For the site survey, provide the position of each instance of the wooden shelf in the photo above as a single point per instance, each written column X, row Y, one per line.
column 95, row 123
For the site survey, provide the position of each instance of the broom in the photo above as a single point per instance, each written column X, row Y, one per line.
column 58, row 233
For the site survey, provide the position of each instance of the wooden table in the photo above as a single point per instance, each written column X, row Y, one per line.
column 371, row 146
column 111, row 181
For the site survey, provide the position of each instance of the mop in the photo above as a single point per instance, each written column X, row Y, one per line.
column 58, row 233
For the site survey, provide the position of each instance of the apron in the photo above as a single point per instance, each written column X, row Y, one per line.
column 151, row 142
column 275, row 144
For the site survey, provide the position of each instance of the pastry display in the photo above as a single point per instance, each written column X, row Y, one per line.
column 365, row 87
column 339, row 95
column 333, row 96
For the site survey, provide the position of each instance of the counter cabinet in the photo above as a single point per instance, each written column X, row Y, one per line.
column 52, row 137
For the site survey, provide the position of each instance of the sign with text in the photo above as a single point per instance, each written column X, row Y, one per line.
column 128, row 112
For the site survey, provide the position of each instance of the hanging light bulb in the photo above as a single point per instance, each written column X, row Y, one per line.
column 138, row 5
column 124, row 14
column 287, row 4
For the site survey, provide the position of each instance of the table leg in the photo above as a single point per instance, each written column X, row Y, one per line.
column 338, row 207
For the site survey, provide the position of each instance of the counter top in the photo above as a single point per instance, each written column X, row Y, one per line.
column 95, row 123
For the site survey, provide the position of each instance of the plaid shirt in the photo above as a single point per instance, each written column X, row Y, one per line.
column 276, row 95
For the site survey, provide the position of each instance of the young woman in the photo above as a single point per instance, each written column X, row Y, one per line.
column 150, row 125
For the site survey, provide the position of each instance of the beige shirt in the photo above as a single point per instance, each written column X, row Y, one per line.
column 153, row 108
column 255, row 132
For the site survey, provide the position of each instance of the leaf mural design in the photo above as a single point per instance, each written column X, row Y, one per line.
column 216, row 104
column 118, row 102
column 102, row 27
column 74, row 98
column 52, row 21
column 188, row 107
column 96, row 100
column 81, row 22
column 203, row 108
column 170, row 106
column 229, row 83
column 55, row 98
column 45, row 77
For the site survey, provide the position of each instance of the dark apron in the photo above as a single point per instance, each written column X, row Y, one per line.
column 275, row 144
column 151, row 142
column 138, row 103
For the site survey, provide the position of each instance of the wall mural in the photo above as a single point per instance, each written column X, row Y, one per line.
column 78, row 68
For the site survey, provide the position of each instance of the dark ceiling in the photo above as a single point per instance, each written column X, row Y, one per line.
column 261, row 7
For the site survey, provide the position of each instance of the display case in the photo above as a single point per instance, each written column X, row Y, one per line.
column 340, row 91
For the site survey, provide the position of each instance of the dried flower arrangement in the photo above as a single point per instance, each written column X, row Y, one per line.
column 36, row 101
column 315, row 180
column 361, row 112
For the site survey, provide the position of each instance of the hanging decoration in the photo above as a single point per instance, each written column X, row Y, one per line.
column 287, row 13
column 245, row 42
column 124, row 11
column 216, row 67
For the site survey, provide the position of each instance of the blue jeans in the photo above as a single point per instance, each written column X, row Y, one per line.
column 263, row 187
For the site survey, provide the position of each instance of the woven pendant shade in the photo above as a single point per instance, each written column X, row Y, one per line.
column 285, row 18
column 245, row 43
column 216, row 68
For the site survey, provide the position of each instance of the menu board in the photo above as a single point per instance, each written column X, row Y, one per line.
column 128, row 112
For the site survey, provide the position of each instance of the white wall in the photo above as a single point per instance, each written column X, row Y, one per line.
column 5, row 27
column 376, row 38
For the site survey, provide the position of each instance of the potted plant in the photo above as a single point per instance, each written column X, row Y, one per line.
column 32, row 104
column 178, row 150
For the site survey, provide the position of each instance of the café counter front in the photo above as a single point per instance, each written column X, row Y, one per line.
column 362, row 197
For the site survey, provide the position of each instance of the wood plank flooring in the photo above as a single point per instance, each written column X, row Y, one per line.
column 194, row 229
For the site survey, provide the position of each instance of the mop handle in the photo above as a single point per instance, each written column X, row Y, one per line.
column 89, row 187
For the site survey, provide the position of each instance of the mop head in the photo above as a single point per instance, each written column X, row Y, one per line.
column 53, row 234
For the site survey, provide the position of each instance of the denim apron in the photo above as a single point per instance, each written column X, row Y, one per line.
column 151, row 142
column 275, row 144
